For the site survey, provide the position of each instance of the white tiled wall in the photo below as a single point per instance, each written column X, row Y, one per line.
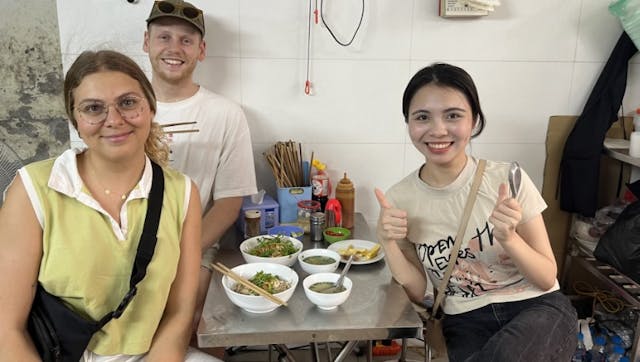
column 530, row 60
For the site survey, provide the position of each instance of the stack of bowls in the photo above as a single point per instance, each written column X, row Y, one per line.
column 287, row 230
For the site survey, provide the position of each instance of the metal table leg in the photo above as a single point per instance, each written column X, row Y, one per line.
column 344, row 352
column 329, row 354
column 315, row 353
column 285, row 354
column 403, row 351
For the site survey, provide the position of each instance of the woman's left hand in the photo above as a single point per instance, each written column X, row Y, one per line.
column 506, row 215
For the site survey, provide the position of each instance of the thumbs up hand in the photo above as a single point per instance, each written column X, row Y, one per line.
column 506, row 215
column 392, row 222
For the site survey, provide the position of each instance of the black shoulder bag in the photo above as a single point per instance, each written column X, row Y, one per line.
column 61, row 335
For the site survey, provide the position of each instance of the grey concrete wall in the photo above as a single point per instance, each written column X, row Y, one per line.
column 33, row 125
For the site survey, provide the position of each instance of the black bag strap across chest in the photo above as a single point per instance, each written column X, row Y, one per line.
column 147, row 244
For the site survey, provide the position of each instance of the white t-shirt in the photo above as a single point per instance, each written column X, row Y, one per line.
column 484, row 272
column 219, row 157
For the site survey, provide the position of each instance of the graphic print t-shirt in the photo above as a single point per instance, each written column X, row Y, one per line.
column 484, row 272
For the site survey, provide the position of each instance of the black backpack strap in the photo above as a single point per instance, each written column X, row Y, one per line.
column 147, row 244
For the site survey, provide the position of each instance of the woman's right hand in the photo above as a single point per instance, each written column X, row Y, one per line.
column 392, row 222
column 400, row 254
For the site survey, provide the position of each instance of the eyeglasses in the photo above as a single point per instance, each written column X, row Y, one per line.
column 95, row 112
column 168, row 8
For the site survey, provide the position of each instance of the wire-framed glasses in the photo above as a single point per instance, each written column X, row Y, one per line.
column 95, row 111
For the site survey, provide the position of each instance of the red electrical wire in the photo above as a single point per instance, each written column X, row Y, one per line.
column 307, row 83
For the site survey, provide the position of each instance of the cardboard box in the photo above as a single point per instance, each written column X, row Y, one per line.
column 288, row 198
column 558, row 221
column 269, row 210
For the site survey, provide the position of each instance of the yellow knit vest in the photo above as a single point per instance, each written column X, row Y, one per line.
column 89, row 268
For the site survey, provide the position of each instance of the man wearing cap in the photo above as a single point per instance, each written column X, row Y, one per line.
column 214, row 149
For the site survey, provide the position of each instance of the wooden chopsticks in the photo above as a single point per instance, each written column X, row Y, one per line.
column 184, row 131
column 176, row 124
column 285, row 159
column 228, row 272
column 179, row 124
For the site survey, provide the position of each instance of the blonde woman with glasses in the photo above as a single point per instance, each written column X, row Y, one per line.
column 72, row 225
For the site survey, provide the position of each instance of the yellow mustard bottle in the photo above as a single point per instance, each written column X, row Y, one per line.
column 346, row 193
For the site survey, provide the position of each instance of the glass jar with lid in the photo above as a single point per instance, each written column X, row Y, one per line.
column 305, row 209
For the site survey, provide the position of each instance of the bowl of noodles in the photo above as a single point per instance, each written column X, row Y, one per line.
column 278, row 249
column 277, row 279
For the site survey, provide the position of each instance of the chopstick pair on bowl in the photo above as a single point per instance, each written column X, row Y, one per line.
column 168, row 125
column 231, row 274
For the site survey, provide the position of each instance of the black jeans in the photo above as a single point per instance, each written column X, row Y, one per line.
column 539, row 329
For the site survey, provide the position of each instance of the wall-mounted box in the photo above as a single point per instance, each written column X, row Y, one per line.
column 457, row 9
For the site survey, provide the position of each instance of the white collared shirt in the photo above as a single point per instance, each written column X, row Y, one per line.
column 66, row 180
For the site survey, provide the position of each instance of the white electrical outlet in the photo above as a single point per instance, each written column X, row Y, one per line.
column 458, row 8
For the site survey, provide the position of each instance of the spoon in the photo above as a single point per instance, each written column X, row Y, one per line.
column 514, row 178
column 338, row 285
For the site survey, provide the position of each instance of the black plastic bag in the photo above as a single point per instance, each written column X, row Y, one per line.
column 620, row 244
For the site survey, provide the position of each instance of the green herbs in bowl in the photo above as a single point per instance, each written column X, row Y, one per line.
column 277, row 279
column 271, row 247
column 278, row 249
column 270, row 282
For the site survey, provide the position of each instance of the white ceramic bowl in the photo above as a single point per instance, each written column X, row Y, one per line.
column 257, row 303
column 324, row 300
column 287, row 260
column 319, row 268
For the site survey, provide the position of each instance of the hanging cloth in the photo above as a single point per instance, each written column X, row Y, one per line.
column 580, row 167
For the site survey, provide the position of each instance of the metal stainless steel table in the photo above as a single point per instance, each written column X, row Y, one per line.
column 377, row 308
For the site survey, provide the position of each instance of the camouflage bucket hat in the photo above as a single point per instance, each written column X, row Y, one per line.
column 178, row 9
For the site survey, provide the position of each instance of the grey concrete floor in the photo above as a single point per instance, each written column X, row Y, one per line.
column 302, row 353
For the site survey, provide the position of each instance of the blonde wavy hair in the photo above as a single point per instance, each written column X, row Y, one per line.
column 89, row 62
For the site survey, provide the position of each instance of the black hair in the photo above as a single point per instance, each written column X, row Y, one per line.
column 450, row 76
